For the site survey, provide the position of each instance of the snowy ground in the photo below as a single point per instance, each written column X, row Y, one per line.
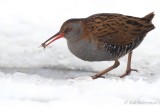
column 30, row 76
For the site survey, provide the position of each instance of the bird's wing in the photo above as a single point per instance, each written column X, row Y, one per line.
column 117, row 29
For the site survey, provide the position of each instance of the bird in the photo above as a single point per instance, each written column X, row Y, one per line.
column 104, row 37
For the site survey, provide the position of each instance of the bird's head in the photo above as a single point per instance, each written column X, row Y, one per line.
column 71, row 30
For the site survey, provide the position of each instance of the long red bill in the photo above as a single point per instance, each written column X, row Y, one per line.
column 52, row 39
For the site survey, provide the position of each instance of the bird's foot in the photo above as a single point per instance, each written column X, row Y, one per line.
column 128, row 72
column 97, row 76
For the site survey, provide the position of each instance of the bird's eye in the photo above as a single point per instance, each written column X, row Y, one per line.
column 67, row 30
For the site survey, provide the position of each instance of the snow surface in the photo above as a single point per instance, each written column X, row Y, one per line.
column 30, row 76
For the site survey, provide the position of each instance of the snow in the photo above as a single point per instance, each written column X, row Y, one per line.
column 24, row 90
column 31, row 76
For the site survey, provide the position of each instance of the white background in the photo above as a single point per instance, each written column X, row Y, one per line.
column 29, row 75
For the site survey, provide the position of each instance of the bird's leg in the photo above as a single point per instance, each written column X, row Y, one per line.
column 128, row 70
column 115, row 65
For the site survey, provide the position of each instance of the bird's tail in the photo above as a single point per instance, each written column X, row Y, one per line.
column 149, row 17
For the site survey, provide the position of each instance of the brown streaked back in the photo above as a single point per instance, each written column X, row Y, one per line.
column 117, row 29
